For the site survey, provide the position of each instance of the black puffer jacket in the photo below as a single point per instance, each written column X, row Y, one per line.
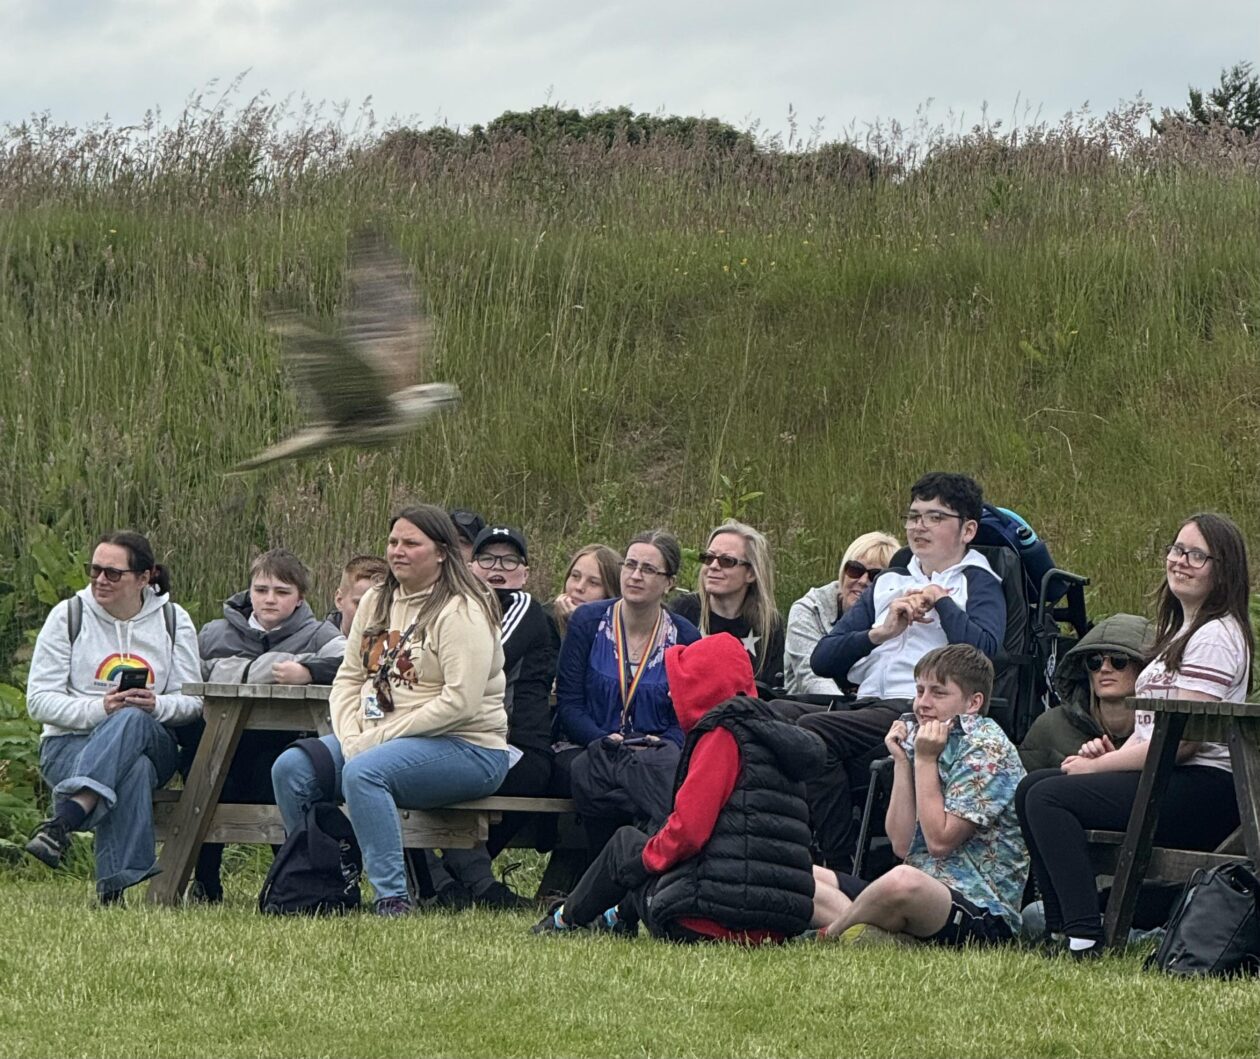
column 755, row 871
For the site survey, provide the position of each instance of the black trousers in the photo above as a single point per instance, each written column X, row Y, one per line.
column 528, row 778
column 854, row 738
column 1055, row 810
column 617, row 877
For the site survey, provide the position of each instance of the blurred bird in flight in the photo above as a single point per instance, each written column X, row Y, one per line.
column 362, row 380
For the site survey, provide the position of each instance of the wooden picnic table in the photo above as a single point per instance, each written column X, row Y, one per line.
column 184, row 819
column 1234, row 723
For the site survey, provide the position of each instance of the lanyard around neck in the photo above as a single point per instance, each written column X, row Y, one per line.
column 628, row 677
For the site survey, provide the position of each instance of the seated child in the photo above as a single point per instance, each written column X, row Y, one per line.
column 267, row 635
column 501, row 560
column 357, row 576
column 732, row 860
column 951, row 817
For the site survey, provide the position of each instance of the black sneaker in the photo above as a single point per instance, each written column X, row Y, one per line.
column 111, row 898
column 454, row 895
column 201, row 894
column 393, row 907
column 49, row 842
column 547, row 925
column 621, row 928
column 501, row 897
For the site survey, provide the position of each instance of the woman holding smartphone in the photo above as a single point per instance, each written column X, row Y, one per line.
column 105, row 683
column 1203, row 651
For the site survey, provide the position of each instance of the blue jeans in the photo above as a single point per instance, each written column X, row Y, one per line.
column 414, row 772
column 122, row 760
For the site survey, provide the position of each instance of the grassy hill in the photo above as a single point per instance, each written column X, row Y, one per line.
column 1074, row 318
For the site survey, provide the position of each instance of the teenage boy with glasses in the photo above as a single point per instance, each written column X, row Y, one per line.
column 947, row 593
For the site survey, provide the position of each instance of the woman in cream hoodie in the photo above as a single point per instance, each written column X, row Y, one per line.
column 417, row 705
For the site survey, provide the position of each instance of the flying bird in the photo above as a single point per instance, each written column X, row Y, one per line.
column 362, row 381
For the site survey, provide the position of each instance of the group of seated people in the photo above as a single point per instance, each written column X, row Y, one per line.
column 710, row 747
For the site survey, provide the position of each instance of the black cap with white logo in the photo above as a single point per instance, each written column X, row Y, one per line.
column 505, row 534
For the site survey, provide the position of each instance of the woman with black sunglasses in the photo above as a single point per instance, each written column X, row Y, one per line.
column 105, row 682
column 735, row 594
column 1092, row 681
column 813, row 615
column 417, row 705
column 1203, row 651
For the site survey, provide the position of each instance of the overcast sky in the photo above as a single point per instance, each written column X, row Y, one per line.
column 840, row 63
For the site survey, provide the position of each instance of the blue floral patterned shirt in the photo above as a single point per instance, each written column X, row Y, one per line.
column 979, row 770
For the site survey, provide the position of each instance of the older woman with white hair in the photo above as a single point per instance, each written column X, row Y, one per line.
column 813, row 615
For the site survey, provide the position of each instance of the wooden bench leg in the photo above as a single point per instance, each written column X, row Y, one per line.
column 1135, row 851
column 1244, row 756
column 195, row 809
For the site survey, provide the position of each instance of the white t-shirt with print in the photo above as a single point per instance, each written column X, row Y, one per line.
column 1214, row 663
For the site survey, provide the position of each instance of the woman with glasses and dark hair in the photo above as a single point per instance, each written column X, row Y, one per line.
column 1092, row 681
column 612, row 699
column 417, row 705
column 815, row 613
column 105, row 683
column 1203, row 650
column 736, row 596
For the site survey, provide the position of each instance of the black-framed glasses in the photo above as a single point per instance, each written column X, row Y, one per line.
column 1196, row 558
column 1118, row 662
column 506, row 563
column 112, row 574
column 646, row 569
column 855, row 570
column 931, row 517
column 726, row 562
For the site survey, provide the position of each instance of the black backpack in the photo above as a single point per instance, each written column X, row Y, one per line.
column 317, row 869
column 1215, row 928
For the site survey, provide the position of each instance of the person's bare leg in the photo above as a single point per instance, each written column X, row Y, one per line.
column 87, row 799
column 905, row 901
column 829, row 903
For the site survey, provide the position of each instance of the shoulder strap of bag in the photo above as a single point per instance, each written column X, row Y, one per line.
column 74, row 619
column 325, row 769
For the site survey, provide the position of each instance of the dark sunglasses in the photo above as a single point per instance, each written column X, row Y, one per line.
column 857, row 570
column 112, row 574
column 726, row 562
column 1118, row 662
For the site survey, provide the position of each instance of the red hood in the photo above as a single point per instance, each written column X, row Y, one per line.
column 705, row 673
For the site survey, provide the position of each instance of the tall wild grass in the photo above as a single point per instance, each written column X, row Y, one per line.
column 1069, row 313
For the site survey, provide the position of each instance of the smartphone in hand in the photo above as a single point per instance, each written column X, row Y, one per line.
column 134, row 678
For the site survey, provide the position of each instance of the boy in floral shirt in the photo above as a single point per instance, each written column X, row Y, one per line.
column 951, row 818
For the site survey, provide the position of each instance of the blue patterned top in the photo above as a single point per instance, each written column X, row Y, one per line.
column 979, row 770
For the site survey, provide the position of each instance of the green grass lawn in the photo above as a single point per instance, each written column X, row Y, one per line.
column 225, row 981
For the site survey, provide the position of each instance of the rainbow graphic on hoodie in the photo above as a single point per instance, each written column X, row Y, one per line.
column 107, row 671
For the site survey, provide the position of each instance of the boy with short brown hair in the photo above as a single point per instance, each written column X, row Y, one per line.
column 951, row 817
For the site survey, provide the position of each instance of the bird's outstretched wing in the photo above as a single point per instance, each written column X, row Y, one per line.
column 382, row 323
column 307, row 443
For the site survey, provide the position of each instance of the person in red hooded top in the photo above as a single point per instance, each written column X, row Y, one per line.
column 732, row 861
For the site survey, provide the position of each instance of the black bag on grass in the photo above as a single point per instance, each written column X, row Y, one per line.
column 317, row 869
column 1215, row 928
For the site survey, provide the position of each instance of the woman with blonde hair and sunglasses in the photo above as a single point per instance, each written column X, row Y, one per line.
column 417, row 705
column 736, row 596
column 813, row 615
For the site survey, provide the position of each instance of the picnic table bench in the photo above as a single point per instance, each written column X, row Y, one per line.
column 184, row 819
column 1130, row 855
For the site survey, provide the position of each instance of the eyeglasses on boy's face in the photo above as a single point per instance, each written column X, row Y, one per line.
column 931, row 517
column 856, row 571
column 506, row 563
column 111, row 573
column 1118, row 662
column 1196, row 558
column 726, row 562
column 646, row 569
